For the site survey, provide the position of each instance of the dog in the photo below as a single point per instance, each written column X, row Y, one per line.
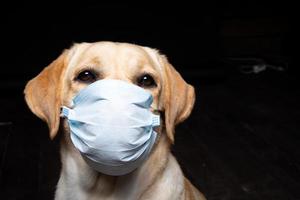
column 160, row 176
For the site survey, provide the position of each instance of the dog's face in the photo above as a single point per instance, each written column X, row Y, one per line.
column 86, row 63
column 112, row 61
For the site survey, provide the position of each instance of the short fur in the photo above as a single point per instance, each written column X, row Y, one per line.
column 160, row 176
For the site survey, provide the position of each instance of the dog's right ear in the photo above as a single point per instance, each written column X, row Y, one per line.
column 43, row 93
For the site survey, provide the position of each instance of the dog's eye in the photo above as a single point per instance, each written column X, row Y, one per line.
column 86, row 76
column 146, row 81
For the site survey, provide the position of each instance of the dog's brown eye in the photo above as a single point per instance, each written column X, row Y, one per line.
column 146, row 81
column 86, row 76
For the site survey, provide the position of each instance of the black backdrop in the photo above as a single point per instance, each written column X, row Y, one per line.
column 233, row 161
column 195, row 36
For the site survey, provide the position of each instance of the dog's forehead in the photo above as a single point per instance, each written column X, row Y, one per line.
column 111, row 54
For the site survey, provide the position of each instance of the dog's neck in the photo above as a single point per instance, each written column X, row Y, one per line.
column 77, row 175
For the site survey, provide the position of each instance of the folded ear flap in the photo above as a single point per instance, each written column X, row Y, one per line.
column 43, row 93
column 179, row 98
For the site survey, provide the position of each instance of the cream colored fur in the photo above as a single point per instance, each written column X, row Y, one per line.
column 160, row 176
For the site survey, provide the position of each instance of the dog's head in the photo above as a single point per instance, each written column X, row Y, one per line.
column 85, row 63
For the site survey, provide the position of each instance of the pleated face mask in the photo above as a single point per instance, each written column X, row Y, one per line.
column 112, row 126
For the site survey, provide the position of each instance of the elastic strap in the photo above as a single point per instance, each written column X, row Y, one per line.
column 155, row 120
column 65, row 112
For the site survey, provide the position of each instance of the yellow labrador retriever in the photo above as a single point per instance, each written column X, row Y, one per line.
column 160, row 176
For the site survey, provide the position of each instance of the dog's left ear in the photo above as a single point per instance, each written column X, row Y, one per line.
column 178, row 97
column 43, row 93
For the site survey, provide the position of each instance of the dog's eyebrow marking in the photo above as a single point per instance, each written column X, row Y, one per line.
column 95, row 60
column 77, row 54
column 153, row 54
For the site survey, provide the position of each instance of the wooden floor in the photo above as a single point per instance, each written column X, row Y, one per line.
column 242, row 142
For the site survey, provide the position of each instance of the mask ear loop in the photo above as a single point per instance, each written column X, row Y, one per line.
column 156, row 113
column 155, row 120
column 156, row 123
column 64, row 112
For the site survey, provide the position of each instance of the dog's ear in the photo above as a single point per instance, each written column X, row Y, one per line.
column 43, row 93
column 179, row 98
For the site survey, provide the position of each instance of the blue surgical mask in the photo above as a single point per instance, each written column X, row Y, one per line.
column 112, row 126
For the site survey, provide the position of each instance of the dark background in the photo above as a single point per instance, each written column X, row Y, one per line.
column 194, row 36
column 242, row 139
